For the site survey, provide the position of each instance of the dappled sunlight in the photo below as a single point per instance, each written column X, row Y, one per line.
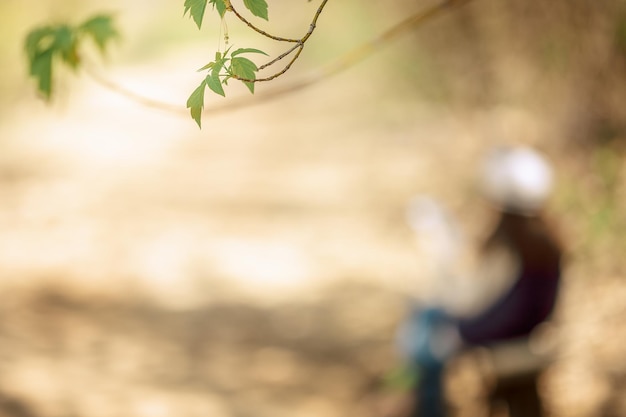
column 264, row 266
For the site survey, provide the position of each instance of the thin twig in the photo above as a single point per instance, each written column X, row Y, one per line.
column 285, row 69
column 133, row 96
column 299, row 45
column 260, row 31
column 313, row 24
column 281, row 56
column 345, row 61
column 275, row 75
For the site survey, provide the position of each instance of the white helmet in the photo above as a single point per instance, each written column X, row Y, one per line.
column 517, row 179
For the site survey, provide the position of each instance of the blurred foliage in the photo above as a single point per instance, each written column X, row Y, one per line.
column 47, row 44
column 593, row 202
column 565, row 56
column 564, row 63
column 44, row 44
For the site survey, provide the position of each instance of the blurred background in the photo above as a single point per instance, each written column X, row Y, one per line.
column 259, row 266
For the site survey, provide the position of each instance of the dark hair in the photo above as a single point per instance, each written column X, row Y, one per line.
column 531, row 237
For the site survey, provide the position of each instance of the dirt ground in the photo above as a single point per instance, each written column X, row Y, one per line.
column 257, row 267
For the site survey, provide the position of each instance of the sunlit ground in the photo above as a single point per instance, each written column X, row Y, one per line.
column 256, row 267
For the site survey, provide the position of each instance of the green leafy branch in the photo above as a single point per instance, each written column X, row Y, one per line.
column 63, row 43
column 229, row 65
column 47, row 45
column 225, row 67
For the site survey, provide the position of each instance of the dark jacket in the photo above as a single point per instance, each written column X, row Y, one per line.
column 532, row 297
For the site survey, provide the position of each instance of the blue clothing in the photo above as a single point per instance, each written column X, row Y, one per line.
column 429, row 392
column 516, row 313
column 422, row 327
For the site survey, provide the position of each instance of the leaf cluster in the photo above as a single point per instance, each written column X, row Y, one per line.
column 62, row 43
column 196, row 8
column 47, row 44
column 227, row 65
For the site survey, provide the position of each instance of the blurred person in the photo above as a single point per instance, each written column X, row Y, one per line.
column 521, row 257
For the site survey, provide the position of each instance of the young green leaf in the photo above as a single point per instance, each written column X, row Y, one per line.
column 247, row 51
column 196, row 10
column 41, row 69
column 195, row 103
column 39, row 40
column 213, row 81
column 65, row 43
column 246, row 69
column 218, row 64
column 257, row 8
column 207, row 66
column 101, row 29
column 220, row 5
column 70, row 55
column 40, row 48
column 243, row 68
column 63, row 37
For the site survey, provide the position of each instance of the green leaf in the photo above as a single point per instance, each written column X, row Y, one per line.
column 40, row 45
column 63, row 38
column 219, row 63
column 244, row 68
column 41, row 69
column 44, row 43
column 247, row 51
column 207, row 66
column 213, row 81
column 39, row 40
column 196, row 10
column 70, row 56
column 101, row 29
column 257, row 8
column 220, row 5
column 195, row 103
column 65, row 42
column 223, row 55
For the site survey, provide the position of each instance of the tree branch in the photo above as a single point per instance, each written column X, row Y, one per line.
column 299, row 45
column 281, row 56
column 341, row 64
column 256, row 29
column 345, row 61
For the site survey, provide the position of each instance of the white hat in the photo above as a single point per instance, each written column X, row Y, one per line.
column 517, row 179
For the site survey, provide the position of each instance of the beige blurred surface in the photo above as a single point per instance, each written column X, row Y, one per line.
column 258, row 267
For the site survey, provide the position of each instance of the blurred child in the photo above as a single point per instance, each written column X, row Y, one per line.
column 521, row 254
